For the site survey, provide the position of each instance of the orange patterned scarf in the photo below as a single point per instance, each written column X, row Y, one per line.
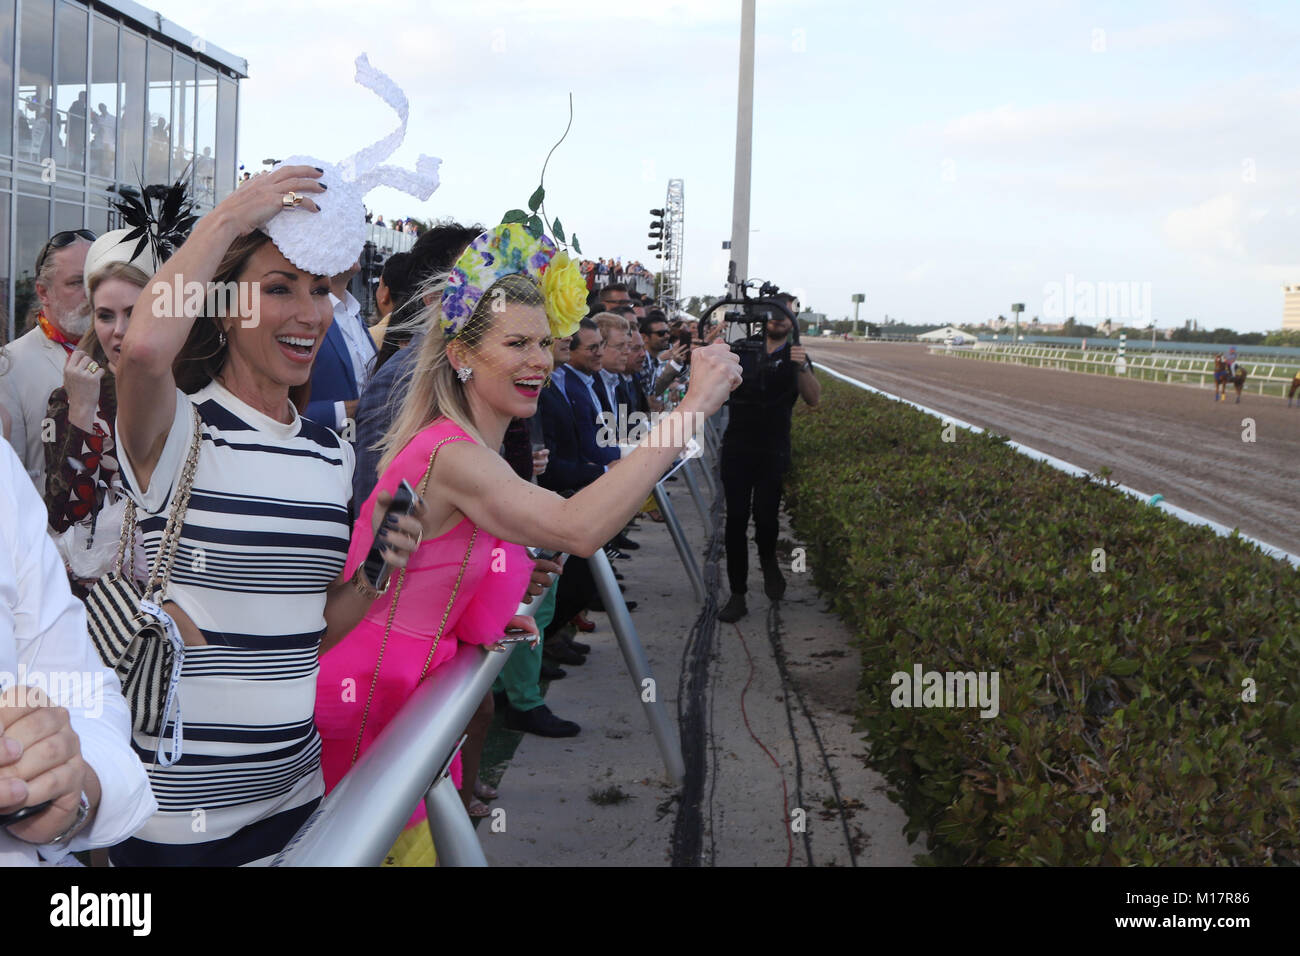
column 53, row 334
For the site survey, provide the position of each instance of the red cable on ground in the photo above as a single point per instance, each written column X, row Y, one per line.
column 785, row 795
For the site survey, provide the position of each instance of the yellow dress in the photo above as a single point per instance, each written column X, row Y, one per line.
column 413, row 848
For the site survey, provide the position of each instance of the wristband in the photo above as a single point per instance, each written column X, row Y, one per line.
column 363, row 586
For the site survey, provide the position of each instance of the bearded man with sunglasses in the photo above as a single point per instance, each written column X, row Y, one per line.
column 32, row 366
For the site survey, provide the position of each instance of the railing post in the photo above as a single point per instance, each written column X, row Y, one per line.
column 453, row 833
column 689, row 473
column 638, row 666
column 679, row 540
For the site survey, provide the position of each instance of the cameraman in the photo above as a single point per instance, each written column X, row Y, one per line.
column 756, row 451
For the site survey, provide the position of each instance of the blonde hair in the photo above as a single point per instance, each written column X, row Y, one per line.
column 609, row 320
column 432, row 389
column 90, row 343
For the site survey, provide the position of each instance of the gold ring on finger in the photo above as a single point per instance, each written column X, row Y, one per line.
column 93, row 367
column 290, row 200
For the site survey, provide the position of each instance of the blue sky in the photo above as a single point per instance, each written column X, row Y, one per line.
column 945, row 159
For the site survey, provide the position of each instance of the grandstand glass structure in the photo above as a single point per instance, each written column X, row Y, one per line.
column 101, row 94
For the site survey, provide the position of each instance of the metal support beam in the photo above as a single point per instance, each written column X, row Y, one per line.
column 638, row 665
column 688, row 472
column 453, row 832
column 679, row 540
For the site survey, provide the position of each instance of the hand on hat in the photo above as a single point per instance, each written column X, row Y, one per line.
column 262, row 197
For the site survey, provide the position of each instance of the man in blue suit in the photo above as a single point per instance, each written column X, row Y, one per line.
column 580, row 388
column 342, row 364
column 567, row 469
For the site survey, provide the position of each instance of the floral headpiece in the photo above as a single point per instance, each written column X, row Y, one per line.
column 519, row 246
column 509, row 249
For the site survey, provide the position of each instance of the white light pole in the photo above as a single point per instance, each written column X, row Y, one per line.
column 744, row 146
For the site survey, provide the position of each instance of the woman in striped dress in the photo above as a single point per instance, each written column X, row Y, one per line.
column 256, row 583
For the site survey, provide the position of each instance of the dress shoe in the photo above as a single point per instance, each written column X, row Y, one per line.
column 733, row 610
column 581, row 648
column 561, row 653
column 581, row 623
column 542, row 722
column 773, row 580
column 551, row 672
column 623, row 542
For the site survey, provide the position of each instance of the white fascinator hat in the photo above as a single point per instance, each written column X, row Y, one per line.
column 330, row 241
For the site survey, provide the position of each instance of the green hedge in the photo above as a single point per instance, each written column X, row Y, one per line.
column 1120, row 690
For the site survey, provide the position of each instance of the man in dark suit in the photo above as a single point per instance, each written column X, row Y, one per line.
column 633, row 388
column 342, row 364
column 567, row 469
column 583, row 388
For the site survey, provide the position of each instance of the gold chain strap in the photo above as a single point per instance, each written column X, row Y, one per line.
column 171, row 538
column 127, row 542
column 392, row 608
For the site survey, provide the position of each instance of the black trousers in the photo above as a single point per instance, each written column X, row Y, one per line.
column 575, row 592
column 751, row 481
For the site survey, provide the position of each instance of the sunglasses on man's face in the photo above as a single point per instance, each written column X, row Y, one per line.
column 61, row 240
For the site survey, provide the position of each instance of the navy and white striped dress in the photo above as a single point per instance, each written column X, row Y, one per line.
column 266, row 532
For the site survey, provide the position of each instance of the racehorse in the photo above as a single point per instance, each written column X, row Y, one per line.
column 1295, row 384
column 1238, row 381
column 1221, row 379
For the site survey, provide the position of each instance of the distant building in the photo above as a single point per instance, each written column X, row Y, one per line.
column 947, row 332
column 1291, row 307
column 101, row 94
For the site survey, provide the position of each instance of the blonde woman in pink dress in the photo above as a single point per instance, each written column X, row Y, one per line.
column 494, row 319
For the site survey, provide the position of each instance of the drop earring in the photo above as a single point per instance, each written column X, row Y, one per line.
column 464, row 373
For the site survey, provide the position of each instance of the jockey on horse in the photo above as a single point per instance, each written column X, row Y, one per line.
column 1221, row 378
column 1227, row 370
column 1237, row 372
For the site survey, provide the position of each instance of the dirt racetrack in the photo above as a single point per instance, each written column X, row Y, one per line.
column 1168, row 439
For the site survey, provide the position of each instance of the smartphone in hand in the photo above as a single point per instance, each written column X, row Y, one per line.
column 376, row 570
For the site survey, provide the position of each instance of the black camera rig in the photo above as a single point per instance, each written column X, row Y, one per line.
column 754, row 314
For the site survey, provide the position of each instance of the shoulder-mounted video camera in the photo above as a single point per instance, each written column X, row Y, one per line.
column 754, row 314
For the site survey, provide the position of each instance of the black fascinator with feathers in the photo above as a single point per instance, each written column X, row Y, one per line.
column 157, row 215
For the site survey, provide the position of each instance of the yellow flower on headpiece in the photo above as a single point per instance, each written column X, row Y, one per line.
column 565, row 292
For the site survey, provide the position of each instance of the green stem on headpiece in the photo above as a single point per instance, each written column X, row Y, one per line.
column 542, row 182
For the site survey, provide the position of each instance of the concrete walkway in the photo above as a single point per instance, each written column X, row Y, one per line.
column 602, row 798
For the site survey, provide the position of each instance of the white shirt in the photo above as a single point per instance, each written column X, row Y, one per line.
column 43, row 640
column 611, row 380
column 361, row 347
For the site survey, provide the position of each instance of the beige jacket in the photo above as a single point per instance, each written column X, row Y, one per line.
column 31, row 367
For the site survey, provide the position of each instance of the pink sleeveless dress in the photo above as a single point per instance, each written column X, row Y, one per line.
column 491, row 587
